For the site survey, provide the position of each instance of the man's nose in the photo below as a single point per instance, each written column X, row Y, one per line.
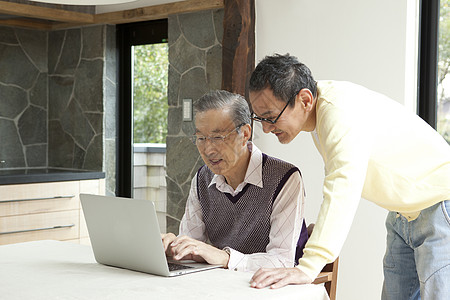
column 267, row 127
column 209, row 147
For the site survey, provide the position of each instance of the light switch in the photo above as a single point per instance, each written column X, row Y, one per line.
column 187, row 109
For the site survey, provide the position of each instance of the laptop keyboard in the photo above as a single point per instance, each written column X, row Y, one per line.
column 175, row 267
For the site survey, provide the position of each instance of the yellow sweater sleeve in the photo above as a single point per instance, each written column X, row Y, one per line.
column 345, row 144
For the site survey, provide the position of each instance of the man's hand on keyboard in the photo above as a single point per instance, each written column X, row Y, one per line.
column 184, row 247
column 167, row 239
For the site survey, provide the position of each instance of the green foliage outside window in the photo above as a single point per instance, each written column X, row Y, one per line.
column 150, row 78
column 443, row 113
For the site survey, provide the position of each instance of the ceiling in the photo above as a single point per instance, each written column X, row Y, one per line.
column 27, row 14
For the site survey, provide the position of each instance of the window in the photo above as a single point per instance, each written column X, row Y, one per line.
column 434, row 65
column 141, row 96
column 443, row 93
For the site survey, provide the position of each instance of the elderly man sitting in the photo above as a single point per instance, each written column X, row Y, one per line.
column 245, row 208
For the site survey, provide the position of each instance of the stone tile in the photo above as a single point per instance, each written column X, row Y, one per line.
column 78, row 157
column 7, row 36
column 218, row 24
column 55, row 44
column 172, row 225
column 198, row 28
column 214, row 67
column 193, row 84
column 11, row 151
column 33, row 126
column 174, row 31
column 16, row 68
column 174, row 120
column 188, row 128
column 174, row 191
column 96, row 121
column 182, row 156
column 111, row 55
column 60, row 146
column 36, row 155
column 176, row 209
column 110, row 105
column 75, row 123
column 88, row 88
column 94, row 155
column 69, row 57
column 60, row 92
column 39, row 93
column 184, row 56
column 92, row 41
column 13, row 101
column 110, row 165
column 34, row 43
column 173, row 85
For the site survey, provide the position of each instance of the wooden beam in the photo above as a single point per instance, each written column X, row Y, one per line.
column 28, row 23
column 238, row 45
column 157, row 11
column 37, row 12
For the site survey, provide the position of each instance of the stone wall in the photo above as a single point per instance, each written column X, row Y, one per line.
column 23, row 98
column 195, row 67
column 54, row 90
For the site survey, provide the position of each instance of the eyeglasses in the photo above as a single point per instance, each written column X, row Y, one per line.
column 200, row 140
column 260, row 119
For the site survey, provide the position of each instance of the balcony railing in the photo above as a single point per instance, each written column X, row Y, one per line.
column 150, row 177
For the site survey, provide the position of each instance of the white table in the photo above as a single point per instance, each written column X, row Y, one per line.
column 63, row 270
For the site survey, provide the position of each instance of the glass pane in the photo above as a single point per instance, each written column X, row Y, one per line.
column 443, row 111
column 150, row 76
column 150, row 105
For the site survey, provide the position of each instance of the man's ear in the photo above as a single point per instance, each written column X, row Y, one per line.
column 306, row 99
column 247, row 132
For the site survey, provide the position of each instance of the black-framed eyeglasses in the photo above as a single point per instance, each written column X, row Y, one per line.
column 200, row 140
column 260, row 119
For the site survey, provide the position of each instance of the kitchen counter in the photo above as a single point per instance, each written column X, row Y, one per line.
column 18, row 176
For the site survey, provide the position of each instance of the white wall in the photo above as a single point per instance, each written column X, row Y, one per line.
column 100, row 9
column 371, row 43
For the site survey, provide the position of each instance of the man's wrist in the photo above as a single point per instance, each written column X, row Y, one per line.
column 227, row 250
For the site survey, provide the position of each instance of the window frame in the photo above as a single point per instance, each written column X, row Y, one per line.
column 428, row 58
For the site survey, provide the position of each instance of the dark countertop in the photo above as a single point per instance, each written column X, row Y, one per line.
column 18, row 176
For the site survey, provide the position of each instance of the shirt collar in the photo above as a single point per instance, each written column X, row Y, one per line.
column 253, row 175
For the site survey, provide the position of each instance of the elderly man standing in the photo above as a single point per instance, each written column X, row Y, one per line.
column 245, row 208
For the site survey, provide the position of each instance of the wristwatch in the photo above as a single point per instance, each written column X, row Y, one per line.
column 227, row 250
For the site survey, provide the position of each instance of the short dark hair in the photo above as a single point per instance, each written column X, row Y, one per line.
column 284, row 75
column 220, row 99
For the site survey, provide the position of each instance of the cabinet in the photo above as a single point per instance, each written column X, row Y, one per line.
column 40, row 211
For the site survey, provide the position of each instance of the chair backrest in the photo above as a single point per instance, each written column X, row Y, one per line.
column 329, row 273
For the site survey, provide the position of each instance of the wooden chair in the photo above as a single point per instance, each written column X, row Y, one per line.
column 329, row 273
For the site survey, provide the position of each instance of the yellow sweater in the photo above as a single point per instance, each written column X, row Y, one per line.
column 372, row 148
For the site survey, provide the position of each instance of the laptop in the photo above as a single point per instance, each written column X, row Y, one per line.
column 125, row 233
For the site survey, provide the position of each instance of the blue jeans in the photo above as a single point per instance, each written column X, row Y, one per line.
column 417, row 260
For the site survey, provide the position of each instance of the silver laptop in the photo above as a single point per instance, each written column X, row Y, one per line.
column 125, row 233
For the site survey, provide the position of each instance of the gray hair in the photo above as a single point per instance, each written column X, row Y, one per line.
column 220, row 99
